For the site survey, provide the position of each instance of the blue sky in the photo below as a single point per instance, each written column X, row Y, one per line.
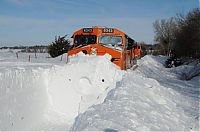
column 30, row 22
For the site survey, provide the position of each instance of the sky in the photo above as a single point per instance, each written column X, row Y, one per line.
column 37, row 22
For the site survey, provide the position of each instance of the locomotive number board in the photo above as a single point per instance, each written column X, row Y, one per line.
column 87, row 30
column 107, row 30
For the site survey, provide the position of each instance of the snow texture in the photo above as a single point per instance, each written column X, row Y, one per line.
column 48, row 94
column 147, row 99
column 91, row 93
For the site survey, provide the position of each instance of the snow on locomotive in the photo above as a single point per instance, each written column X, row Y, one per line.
column 102, row 40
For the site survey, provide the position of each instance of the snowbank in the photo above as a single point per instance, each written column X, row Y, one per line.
column 23, row 98
column 145, row 100
column 47, row 94
column 153, row 67
column 81, row 83
column 189, row 71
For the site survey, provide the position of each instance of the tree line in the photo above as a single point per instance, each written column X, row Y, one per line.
column 28, row 49
column 179, row 35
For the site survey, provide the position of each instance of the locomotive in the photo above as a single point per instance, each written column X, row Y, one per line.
column 102, row 40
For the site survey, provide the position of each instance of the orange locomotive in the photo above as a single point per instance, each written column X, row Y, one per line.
column 101, row 40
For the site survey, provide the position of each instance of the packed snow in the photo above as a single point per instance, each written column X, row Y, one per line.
column 150, row 98
column 91, row 93
column 47, row 94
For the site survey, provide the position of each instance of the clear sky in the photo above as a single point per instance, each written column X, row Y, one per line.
column 30, row 22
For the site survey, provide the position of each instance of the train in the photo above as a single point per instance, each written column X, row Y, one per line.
column 99, row 41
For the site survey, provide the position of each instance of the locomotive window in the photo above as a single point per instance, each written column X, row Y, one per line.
column 111, row 41
column 84, row 39
column 130, row 43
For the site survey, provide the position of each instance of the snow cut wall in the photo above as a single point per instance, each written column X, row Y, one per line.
column 28, row 94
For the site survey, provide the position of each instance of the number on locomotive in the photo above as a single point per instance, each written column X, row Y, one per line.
column 107, row 30
column 87, row 30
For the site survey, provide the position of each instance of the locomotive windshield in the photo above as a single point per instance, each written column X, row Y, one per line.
column 111, row 41
column 84, row 39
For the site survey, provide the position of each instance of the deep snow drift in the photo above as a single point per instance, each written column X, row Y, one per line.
column 48, row 94
column 148, row 98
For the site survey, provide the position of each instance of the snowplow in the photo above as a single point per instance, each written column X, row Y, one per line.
column 102, row 40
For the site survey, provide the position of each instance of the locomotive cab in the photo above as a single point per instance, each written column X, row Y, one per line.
column 101, row 40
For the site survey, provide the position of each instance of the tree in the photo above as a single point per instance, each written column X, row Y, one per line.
column 164, row 33
column 59, row 47
column 179, row 34
column 187, row 42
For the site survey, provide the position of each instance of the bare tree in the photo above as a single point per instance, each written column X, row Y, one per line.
column 164, row 33
column 187, row 43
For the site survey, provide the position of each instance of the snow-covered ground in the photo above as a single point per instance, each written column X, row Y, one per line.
column 148, row 98
column 46, row 93
column 91, row 93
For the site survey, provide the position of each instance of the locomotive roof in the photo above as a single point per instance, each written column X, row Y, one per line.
column 99, row 29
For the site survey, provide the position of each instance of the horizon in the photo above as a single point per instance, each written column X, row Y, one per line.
column 30, row 22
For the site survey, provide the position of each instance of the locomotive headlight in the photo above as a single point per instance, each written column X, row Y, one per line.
column 93, row 51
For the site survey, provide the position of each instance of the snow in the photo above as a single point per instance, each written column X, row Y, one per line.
column 91, row 93
column 146, row 100
column 47, row 94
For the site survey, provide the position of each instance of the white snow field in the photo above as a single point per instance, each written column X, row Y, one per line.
column 47, row 94
column 91, row 93
column 150, row 98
